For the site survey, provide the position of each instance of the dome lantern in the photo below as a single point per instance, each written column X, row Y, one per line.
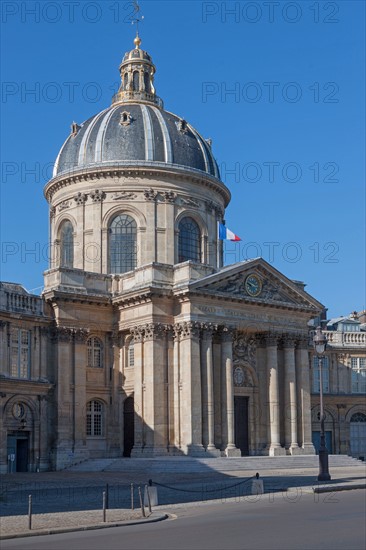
column 137, row 72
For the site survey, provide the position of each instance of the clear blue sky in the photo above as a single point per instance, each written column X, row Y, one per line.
column 290, row 138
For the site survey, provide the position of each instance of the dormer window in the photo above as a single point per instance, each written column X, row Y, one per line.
column 74, row 129
column 126, row 118
column 182, row 126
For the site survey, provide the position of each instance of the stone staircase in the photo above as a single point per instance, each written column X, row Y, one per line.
column 165, row 465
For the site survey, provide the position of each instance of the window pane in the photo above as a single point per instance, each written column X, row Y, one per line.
column 189, row 241
column 67, row 244
column 20, row 353
column 123, row 244
column 95, row 356
column 94, row 419
column 325, row 375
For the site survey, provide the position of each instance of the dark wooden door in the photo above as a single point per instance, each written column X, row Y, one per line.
column 22, row 455
column 241, row 424
column 129, row 426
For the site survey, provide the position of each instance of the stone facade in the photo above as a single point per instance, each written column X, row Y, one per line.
column 344, row 388
column 143, row 344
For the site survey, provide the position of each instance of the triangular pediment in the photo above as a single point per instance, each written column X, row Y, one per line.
column 256, row 281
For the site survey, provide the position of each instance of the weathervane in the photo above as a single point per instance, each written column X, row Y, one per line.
column 135, row 18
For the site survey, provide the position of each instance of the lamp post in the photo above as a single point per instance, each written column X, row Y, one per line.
column 320, row 343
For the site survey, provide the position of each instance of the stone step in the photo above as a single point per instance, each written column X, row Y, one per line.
column 205, row 465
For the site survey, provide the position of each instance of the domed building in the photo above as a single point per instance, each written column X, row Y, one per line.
column 145, row 344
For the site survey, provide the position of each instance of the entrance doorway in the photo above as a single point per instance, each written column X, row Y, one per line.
column 358, row 435
column 328, row 441
column 241, row 424
column 129, row 426
column 17, row 452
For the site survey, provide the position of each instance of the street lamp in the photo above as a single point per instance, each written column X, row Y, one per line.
column 320, row 343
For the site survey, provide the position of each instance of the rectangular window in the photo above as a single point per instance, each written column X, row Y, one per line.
column 316, row 375
column 358, row 365
column 20, row 353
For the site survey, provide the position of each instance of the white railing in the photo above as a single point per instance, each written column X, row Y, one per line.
column 24, row 303
column 346, row 338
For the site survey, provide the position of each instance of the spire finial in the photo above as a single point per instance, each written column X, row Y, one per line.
column 135, row 21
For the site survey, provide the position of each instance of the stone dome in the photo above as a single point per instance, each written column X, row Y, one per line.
column 136, row 129
column 135, row 133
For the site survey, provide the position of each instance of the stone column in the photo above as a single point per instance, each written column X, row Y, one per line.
column 208, row 436
column 227, row 369
column 155, row 405
column 291, row 442
column 274, row 398
column 263, row 413
column 63, row 340
column 79, row 389
column 191, row 406
column 217, row 391
column 177, row 390
column 302, row 365
column 138, row 334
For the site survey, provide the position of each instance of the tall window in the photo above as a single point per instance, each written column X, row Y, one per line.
column 95, row 353
column 67, row 244
column 122, row 244
column 358, row 365
column 20, row 353
column 325, row 375
column 131, row 353
column 94, row 419
column 189, row 241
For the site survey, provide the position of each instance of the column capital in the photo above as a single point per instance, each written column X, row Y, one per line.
column 80, row 335
column 138, row 334
column 227, row 334
column 271, row 339
column 260, row 340
column 288, row 342
column 302, row 343
column 208, row 330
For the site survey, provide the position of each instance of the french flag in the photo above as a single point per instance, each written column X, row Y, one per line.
column 225, row 234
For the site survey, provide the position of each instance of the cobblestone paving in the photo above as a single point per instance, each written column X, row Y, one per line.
column 13, row 525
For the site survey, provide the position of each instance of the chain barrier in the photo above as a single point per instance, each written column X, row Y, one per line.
column 200, row 491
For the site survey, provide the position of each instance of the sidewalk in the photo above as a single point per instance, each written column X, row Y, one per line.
column 182, row 490
column 63, row 522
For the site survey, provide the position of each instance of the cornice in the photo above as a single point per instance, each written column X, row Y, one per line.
column 136, row 170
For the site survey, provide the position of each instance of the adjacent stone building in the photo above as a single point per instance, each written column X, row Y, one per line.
column 143, row 344
column 344, row 387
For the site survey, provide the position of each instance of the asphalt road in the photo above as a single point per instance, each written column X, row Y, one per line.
column 293, row 521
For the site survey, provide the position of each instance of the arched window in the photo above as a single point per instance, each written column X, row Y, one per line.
column 67, row 244
column 122, row 244
column 94, row 419
column 131, row 353
column 95, row 353
column 147, row 82
column 136, row 81
column 125, row 81
column 189, row 241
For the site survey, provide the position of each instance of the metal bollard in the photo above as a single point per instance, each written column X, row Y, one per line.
column 30, row 512
column 107, row 496
column 132, row 503
column 148, row 497
column 104, row 506
column 141, row 504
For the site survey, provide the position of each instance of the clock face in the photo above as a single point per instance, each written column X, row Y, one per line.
column 253, row 285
